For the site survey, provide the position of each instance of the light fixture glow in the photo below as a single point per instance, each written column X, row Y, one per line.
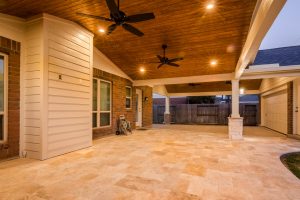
column 242, row 91
column 210, row 6
column 213, row 62
column 101, row 30
column 142, row 69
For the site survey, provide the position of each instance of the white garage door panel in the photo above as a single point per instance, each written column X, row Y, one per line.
column 276, row 111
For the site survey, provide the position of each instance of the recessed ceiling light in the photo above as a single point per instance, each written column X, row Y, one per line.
column 213, row 62
column 142, row 69
column 101, row 30
column 242, row 91
column 210, row 6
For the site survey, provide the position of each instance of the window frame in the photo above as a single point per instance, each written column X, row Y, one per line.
column 130, row 97
column 98, row 112
column 5, row 97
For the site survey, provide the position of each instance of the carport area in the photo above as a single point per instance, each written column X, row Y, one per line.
column 165, row 162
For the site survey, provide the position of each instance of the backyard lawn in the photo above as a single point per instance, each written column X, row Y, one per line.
column 292, row 162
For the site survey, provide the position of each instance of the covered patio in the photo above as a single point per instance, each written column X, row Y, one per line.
column 166, row 162
column 73, row 74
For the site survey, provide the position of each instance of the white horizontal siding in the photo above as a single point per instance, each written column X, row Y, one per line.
column 271, row 83
column 32, row 92
column 69, row 89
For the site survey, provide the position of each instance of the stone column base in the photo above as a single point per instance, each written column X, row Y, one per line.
column 235, row 128
column 167, row 118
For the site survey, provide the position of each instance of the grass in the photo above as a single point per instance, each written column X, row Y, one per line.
column 292, row 162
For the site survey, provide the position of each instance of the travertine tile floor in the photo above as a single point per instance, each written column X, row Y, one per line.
column 166, row 162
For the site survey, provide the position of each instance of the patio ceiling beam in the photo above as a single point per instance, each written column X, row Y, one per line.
column 183, row 80
column 210, row 93
column 265, row 14
column 271, row 72
column 161, row 90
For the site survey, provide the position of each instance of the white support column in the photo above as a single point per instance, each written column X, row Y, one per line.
column 167, row 105
column 167, row 117
column 235, row 122
column 235, row 111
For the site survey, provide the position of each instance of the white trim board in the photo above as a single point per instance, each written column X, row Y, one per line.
column 265, row 14
column 103, row 63
column 183, row 80
column 271, row 72
column 210, row 93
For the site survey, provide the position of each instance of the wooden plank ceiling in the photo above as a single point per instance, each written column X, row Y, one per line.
column 212, row 86
column 189, row 29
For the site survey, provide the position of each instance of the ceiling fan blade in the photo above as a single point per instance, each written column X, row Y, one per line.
column 173, row 64
column 155, row 62
column 113, row 8
column 159, row 66
column 111, row 28
column 133, row 30
column 94, row 17
column 175, row 59
column 140, row 17
column 159, row 57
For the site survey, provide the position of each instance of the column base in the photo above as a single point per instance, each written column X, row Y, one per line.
column 235, row 128
column 167, row 118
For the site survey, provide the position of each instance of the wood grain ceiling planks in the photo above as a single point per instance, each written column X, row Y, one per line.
column 186, row 26
column 212, row 86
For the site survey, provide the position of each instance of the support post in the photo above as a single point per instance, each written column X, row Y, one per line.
column 235, row 122
column 167, row 117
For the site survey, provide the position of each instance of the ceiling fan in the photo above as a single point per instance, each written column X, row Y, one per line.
column 163, row 60
column 121, row 19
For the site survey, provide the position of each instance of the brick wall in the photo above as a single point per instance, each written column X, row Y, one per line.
column 12, row 49
column 118, row 102
column 147, row 106
column 290, row 107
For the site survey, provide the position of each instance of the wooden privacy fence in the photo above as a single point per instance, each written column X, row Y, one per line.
column 206, row 113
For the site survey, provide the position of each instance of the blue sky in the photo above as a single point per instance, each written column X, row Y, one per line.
column 285, row 31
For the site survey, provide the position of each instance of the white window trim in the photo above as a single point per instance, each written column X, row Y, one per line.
column 98, row 112
column 5, row 98
column 126, row 97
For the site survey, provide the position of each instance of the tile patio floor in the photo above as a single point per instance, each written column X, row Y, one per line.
column 166, row 162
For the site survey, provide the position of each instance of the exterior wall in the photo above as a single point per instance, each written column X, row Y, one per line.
column 12, row 28
column 278, row 93
column 32, row 80
column 68, row 74
column 296, row 106
column 147, row 106
column 58, row 87
column 12, row 49
column 118, row 102
column 275, row 111
column 272, row 83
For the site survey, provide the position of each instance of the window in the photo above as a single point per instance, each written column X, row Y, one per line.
column 101, row 103
column 3, row 101
column 128, row 97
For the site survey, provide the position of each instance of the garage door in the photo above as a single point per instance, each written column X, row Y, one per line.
column 275, row 111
